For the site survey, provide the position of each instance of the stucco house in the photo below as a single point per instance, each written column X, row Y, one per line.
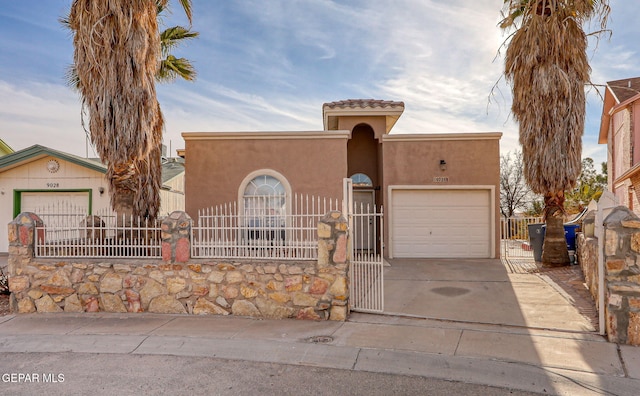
column 39, row 177
column 440, row 192
column 620, row 131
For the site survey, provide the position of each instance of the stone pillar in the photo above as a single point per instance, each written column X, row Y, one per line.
column 22, row 240
column 332, row 239
column 333, row 257
column 622, row 276
column 176, row 237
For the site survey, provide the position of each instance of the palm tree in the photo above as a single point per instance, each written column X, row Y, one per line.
column 547, row 67
column 170, row 67
column 116, row 51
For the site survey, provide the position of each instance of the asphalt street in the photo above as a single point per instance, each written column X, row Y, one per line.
column 115, row 374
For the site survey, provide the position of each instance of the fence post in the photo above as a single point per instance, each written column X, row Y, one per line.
column 333, row 257
column 332, row 238
column 606, row 204
column 176, row 237
column 22, row 240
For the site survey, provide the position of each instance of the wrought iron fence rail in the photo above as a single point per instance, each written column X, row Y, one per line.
column 91, row 248
column 264, row 227
column 296, row 241
column 514, row 234
column 85, row 236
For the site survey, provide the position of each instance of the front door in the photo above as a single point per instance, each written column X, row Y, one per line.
column 364, row 205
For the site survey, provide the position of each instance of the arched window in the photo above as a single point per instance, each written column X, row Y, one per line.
column 361, row 180
column 264, row 196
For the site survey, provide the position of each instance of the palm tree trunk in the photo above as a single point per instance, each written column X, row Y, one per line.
column 117, row 48
column 122, row 179
column 554, row 249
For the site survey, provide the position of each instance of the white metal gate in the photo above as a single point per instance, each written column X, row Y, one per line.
column 366, row 264
column 514, row 237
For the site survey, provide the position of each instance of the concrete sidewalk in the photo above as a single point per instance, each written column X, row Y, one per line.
column 549, row 362
column 470, row 321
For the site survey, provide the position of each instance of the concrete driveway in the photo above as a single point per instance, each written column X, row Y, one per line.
column 484, row 291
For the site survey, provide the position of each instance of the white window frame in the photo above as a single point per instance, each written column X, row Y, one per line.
column 264, row 172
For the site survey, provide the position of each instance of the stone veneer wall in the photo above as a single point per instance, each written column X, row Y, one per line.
column 622, row 273
column 179, row 285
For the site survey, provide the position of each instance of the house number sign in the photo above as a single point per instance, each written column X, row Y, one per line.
column 441, row 179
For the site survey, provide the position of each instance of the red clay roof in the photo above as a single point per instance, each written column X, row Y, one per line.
column 362, row 103
column 625, row 89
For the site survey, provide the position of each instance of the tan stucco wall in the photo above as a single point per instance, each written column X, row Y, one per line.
column 472, row 160
column 217, row 163
column 377, row 123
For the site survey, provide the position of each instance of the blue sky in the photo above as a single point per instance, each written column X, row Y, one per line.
column 270, row 65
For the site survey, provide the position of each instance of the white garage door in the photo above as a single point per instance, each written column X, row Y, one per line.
column 441, row 223
column 54, row 202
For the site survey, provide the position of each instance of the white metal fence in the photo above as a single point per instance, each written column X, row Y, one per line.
column 272, row 226
column 262, row 227
column 367, row 264
column 68, row 231
column 514, row 234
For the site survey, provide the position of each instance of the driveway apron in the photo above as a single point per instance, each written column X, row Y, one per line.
column 486, row 291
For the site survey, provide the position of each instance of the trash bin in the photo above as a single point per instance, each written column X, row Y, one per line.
column 570, row 235
column 536, row 239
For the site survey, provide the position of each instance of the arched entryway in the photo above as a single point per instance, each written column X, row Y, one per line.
column 363, row 152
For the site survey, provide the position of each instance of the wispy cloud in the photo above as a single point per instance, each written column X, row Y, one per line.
column 269, row 65
column 41, row 113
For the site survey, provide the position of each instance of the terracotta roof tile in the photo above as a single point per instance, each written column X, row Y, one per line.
column 625, row 89
column 362, row 103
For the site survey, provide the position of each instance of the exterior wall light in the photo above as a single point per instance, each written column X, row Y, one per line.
column 101, row 190
column 443, row 165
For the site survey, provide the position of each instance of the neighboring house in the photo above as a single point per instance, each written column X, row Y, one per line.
column 440, row 192
column 620, row 130
column 39, row 178
column 4, row 148
column 172, row 189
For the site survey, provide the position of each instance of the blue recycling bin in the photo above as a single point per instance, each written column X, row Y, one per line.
column 536, row 238
column 570, row 235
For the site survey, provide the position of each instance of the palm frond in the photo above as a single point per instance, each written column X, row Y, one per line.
column 162, row 5
column 172, row 67
column 173, row 36
column 187, row 7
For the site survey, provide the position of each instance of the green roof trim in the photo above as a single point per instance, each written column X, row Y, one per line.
column 4, row 148
column 170, row 169
column 37, row 151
